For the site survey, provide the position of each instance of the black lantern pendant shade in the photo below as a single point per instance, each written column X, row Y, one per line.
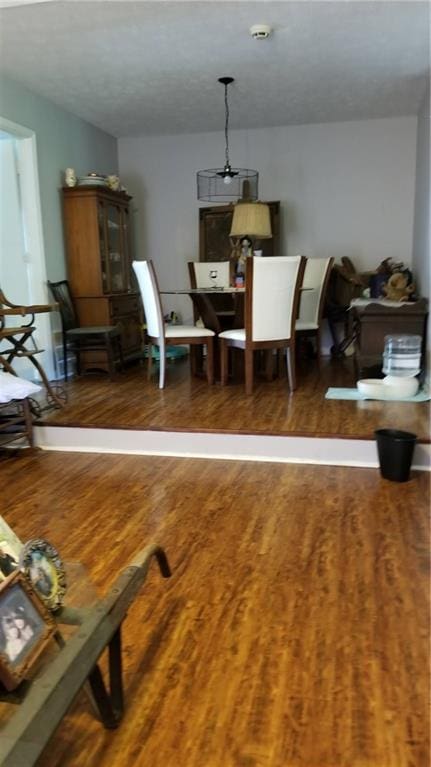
column 227, row 184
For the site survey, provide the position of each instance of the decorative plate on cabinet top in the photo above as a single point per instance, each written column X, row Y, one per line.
column 92, row 180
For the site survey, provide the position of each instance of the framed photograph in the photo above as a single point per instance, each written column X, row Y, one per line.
column 26, row 626
column 41, row 562
column 10, row 549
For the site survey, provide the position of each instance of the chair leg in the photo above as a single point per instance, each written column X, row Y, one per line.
column 269, row 364
column 65, row 356
column 210, row 360
column 28, row 421
column 111, row 356
column 280, row 363
column 318, row 341
column 196, row 360
column 291, row 372
column 150, row 360
column 248, row 371
column 223, row 361
column 77, row 350
column 120, row 352
column 162, row 367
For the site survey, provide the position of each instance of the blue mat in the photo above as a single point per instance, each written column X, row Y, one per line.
column 352, row 394
column 172, row 352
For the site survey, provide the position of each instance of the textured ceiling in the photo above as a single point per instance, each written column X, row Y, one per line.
column 136, row 68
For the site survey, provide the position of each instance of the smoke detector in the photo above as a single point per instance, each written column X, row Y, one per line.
column 260, row 31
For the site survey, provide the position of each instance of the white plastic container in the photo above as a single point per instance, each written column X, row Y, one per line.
column 402, row 356
column 403, row 387
column 391, row 387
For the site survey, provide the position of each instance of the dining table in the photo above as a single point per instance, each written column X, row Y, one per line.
column 199, row 291
column 212, row 319
column 204, row 308
column 216, row 320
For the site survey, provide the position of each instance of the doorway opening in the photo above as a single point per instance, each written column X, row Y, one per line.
column 22, row 256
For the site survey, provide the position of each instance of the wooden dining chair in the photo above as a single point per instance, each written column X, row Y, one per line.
column 312, row 302
column 271, row 306
column 106, row 338
column 160, row 334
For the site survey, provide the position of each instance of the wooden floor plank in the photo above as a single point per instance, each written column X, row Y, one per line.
column 189, row 404
column 294, row 632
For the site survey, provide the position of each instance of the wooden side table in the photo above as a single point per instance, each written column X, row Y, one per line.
column 372, row 320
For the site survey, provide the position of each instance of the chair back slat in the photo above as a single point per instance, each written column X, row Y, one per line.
column 62, row 295
column 316, row 276
column 275, row 285
column 203, row 269
column 149, row 290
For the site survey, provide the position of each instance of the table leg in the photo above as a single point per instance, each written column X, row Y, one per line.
column 103, row 701
column 116, row 674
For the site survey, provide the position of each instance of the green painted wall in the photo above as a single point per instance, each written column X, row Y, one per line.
column 63, row 140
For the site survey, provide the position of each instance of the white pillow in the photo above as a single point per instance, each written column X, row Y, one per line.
column 12, row 387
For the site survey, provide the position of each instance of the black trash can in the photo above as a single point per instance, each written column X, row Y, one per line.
column 395, row 450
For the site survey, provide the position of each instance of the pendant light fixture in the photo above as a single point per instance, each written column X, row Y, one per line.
column 227, row 184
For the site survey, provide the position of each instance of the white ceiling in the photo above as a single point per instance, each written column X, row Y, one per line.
column 136, row 68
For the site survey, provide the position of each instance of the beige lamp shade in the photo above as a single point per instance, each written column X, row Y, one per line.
column 251, row 218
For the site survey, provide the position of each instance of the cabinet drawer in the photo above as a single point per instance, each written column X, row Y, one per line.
column 123, row 305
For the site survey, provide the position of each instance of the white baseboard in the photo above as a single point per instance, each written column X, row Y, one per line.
column 239, row 447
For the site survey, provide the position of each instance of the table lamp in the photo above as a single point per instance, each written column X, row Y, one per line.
column 249, row 220
column 252, row 220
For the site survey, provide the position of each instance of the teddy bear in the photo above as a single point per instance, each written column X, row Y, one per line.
column 397, row 287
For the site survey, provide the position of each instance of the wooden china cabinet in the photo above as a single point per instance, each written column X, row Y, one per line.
column 97, row 230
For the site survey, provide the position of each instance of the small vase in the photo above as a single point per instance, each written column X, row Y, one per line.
column 70, row 177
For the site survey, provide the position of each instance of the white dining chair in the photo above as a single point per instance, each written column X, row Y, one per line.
column 312, row 302
column 159, row 333
column 271, row 306
column 209, row 274
column 218, row 310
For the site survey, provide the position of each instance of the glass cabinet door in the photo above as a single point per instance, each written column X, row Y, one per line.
column 103, row 245
column 118, row 282
column 125, row 240
column 113, row 222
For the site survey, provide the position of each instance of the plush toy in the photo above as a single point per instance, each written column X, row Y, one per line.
column 386, row 266
column 397, row 287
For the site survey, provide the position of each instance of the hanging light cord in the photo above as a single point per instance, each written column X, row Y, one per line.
column 226, row 124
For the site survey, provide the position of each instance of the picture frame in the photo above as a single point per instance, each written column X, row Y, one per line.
column 41, row 563
column 26, row 627
column 10, row 550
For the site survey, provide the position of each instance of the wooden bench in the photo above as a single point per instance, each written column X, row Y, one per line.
column 50, row 694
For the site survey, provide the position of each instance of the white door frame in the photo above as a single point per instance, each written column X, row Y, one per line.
column 35, row 250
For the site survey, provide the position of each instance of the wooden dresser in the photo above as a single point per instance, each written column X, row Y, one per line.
column 372, row 320
column 97, row 231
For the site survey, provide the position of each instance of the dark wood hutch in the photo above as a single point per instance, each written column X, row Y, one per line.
column 214, row 227
column 215, row 243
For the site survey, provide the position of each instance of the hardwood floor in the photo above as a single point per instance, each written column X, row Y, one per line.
column 294, row 631
column 189, row 404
